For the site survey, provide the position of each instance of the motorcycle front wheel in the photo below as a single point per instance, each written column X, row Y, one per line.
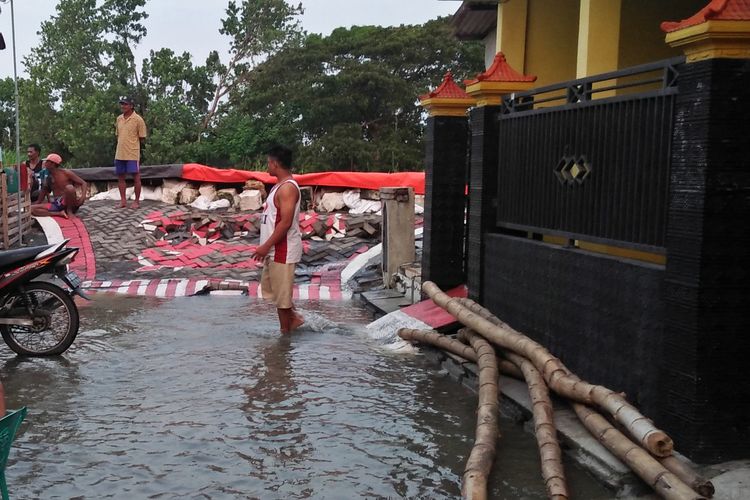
column 55, row 318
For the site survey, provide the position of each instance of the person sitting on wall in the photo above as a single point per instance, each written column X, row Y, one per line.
column 62, row 185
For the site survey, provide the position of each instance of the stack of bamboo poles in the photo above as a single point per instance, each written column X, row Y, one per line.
column 497, row 348
column 10, row 223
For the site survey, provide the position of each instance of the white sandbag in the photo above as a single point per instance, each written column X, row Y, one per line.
column 201, row 202
column 253, row 184
column 171, row 188
column 351, row 198
column 357, row 205
column 208, row 190
column 151, row 193
column 330, row 202
column 112, row 194
column 188, row 195
column 419, row 204
column 223, row 203
column 251, row 199
column 228, row 194
column 366, row 207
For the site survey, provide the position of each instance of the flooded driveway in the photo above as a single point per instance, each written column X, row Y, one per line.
column 201, row 398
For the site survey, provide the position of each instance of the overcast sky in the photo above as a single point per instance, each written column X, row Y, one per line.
column 192, row 25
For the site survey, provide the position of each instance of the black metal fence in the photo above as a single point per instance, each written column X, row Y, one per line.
column 589, row 159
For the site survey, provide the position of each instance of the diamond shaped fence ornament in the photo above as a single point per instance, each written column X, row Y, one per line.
column 572, row 171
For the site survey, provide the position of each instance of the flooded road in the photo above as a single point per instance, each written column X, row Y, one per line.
column 201, row 398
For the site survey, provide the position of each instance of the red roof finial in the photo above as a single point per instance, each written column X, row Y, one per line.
column 501, row 71
column 447, row 90
column 716, row 10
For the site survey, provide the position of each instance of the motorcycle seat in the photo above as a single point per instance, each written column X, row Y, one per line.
column 11, row 257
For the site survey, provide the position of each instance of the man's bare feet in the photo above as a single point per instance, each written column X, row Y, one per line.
column 135, row 204
column 297, row 321
column 123, row 205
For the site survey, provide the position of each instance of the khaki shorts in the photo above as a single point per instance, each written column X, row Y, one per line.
column 276, row 283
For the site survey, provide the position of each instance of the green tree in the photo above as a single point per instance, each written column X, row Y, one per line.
column 353, row 94
column 257, row 29
column 38, row 118
column 177, row 95
column 83, row 62
column 7, row 113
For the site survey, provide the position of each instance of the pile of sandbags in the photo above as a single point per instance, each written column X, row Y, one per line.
column 229, row 194
column 357, row 205
column 253, row 185
column 331, row 202
column 188, row 195
column 171, row 188
column 251, row 199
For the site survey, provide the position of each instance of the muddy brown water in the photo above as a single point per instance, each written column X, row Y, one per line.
column 201, row 398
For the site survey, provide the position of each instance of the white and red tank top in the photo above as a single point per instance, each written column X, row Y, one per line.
column 289, row 249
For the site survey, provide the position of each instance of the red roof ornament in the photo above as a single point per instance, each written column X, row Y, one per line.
column 501, row 71
column 447, row 90
column 716, row 10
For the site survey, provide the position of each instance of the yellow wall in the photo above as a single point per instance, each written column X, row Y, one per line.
column 560, row 40
column 551, row 40
column 511, row 32
column 598, row 37
column 641, row 39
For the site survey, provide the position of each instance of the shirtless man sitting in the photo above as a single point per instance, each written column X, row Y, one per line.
column 61, row 184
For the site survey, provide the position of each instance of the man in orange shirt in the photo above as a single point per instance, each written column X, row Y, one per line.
column 131, row 135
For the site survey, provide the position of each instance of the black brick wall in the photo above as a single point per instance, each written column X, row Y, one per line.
column 707, row 289
column 482, row 191
column 446, row 143
column 601, row 315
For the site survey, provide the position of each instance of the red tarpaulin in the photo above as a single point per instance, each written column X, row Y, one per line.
column 357, row 180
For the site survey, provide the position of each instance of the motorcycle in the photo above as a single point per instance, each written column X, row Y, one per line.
column 38, row 318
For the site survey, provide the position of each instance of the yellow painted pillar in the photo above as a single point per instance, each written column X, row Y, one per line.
column 598, row 37
column 511, row 31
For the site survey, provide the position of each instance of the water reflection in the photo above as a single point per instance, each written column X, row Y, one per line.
column 199, row 398
column 274, row 408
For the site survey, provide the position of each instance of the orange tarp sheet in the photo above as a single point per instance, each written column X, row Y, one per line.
column 357, row 180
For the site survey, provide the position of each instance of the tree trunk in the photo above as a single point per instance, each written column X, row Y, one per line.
column 664, row 482
column 555, row 373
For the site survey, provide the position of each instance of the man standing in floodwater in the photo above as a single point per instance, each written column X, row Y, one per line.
column 280, row 239
column 131, row 135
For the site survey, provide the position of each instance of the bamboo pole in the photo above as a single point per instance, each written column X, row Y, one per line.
column 556, row 374
column 439, row 340
column 457, row 347
column 507, row 368
column 688, row 476
column 664, row 482
column 553, row 471
column 482, row 456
